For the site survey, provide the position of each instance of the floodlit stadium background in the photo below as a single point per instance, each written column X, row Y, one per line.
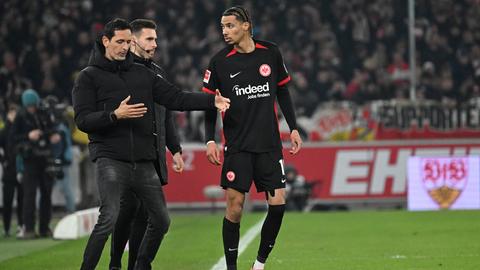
column 371, row 87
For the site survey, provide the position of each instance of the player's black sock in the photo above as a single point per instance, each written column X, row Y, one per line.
column 231, row 236
column 270, row 229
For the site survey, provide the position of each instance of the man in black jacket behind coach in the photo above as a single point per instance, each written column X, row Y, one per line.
column 112, row 99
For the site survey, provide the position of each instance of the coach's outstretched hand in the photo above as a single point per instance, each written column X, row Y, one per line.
column 221, row 102
column 296, row 142
column 213, row 153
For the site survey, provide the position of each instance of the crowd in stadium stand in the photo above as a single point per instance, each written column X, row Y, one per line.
column 335, row 50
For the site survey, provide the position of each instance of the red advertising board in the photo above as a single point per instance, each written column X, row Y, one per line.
column 344, row 171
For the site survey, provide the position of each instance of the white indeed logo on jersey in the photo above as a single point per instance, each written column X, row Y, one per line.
column 255, row 91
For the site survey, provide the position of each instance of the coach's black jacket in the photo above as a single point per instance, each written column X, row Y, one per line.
column 98, row 91
column 165, row 130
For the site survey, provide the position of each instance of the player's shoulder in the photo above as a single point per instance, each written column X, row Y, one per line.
column 266, row 44
column 223, row 53
column 219, row 59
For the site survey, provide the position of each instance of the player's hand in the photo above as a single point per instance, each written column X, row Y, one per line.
column 34, row 135
column 296, row 141
column 221, row 102
column 178, row 163
column 125, row 110
column 213, row 153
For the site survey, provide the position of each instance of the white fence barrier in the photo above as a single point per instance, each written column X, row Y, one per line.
column 76, row 225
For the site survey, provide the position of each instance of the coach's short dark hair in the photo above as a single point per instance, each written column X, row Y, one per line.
column 138, row 25
column 115, row 25
column 241, row 14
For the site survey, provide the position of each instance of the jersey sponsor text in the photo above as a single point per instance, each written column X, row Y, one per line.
column 256, row 91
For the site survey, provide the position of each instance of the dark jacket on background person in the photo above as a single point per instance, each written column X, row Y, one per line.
column 164, row 125
column 35, row 157
column 10, row 183
column 26, row 122
column 100, row 88
column 7, row 143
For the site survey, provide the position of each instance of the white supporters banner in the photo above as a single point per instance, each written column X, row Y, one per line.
column 443, row 183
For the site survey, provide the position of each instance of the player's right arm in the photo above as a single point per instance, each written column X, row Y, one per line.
column 210, row 86
column 213, row 152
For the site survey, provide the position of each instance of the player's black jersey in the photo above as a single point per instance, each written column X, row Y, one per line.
column 250, row 81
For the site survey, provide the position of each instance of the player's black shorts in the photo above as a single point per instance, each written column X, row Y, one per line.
column 266, row 170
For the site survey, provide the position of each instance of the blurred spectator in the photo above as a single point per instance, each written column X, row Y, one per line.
column 398, row 69
column 62, row 153
column 298, row 190
column 11, row 184
column 34, row 133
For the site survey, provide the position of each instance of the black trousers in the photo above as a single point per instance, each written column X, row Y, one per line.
column 10, row 185
column 115, row 178
column 131, row 225
column 35, row 177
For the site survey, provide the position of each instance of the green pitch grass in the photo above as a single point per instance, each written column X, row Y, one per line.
column 390, row 240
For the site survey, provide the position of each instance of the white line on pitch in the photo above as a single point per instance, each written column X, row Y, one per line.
column 244, row 242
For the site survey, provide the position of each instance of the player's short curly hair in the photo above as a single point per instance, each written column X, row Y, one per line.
column 241, row 14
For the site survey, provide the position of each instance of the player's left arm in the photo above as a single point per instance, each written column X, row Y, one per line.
column 286, row 104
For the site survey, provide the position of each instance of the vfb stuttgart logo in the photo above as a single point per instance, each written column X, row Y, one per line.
column 444, row 179
column 265, row 70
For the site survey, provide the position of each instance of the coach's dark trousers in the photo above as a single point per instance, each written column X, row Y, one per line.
column 114, row 178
